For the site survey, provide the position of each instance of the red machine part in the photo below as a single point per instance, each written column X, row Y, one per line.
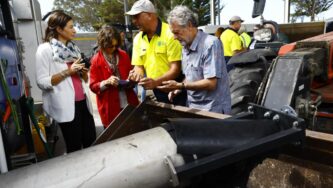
column 287, row 48
column 327, row 37
column 325, row 89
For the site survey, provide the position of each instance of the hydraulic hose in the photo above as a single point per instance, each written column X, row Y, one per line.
column 8, row 97
column 30, row 107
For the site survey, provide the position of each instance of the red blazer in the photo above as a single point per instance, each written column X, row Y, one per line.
column 108, row 100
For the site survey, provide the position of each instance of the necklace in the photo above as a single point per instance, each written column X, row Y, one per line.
column 113, row 62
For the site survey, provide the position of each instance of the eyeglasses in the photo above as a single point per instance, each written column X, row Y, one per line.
column 112, row 46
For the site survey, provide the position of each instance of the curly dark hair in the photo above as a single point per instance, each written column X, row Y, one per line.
column 57, row 19
column 105, row 36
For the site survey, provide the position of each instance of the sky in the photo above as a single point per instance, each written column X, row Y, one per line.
column 274, row 10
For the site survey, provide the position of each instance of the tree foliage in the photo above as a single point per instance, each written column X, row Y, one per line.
column 89, row 15
column 309, row 8
column 201, row 7
column 78, row 11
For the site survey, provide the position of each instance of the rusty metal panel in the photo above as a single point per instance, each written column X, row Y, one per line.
column 299, row 31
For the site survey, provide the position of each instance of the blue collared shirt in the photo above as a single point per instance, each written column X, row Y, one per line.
column 202, row 60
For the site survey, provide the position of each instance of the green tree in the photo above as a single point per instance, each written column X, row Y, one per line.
column 89, row 15
column 201, row 7
column 84, row 12
column 309, row 8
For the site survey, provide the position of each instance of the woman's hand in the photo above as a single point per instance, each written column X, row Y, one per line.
column 73, row 69
column 113, row 80
column 76, row 67
column 84, row 74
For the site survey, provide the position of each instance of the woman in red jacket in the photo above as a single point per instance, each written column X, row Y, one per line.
column 108, row 76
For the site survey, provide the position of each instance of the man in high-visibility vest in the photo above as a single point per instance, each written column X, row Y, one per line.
column 245, row 38
column 232, row 44
column 156, row 53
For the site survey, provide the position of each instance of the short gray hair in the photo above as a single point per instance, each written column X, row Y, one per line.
column 183, row 16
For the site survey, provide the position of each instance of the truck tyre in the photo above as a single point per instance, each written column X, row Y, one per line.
column 244, row 83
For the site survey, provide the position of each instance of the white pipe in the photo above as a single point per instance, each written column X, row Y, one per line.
column 127, row 23
column 212, row 12
column 3, row 162
column 134, row 161
column 286, row 11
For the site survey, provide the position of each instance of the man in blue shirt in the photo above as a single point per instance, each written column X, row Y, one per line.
column 206, row 78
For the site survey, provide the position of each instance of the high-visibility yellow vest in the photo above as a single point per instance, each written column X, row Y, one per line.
column 246, row 39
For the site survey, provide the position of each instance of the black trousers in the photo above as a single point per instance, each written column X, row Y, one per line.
column 180, row 99
column 229, row 66
column 80, row 132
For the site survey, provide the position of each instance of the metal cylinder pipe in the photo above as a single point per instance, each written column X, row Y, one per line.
column 134, row 161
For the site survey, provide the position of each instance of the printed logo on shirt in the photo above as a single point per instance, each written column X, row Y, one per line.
column 160, row 43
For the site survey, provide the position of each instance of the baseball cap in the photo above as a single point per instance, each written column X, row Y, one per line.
column 141, row 6
column 235, row 19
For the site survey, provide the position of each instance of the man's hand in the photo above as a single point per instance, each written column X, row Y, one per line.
column 135, row 74
column 173, row 94
column 170, row 85
column 148, row 83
